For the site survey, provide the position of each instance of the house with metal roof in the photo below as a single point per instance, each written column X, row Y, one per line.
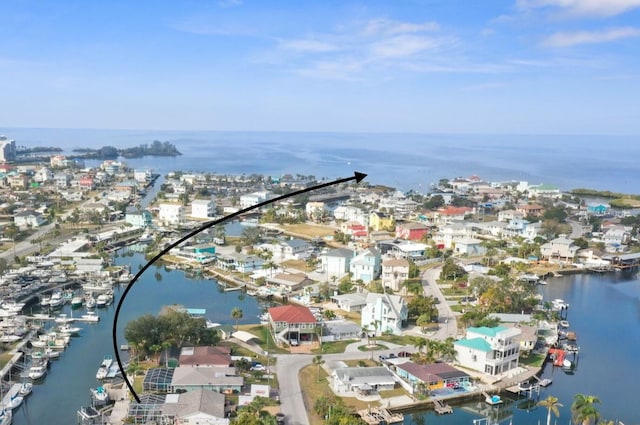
column 362, row 379
column 431, row 376
column 196, row 407
column 492, row 351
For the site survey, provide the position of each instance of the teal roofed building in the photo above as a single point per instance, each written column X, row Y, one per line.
column 493, row 351
column 598, row 209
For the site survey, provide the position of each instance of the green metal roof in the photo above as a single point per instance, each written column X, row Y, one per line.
column 475, row 344
column 492, row 332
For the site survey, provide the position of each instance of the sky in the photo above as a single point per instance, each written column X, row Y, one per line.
column 410, row 66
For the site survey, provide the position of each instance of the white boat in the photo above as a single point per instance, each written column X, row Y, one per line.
column 14, row 402
column 60, row 278
column 104, row 299
column 63, row 318
column 37, row 372
column 125, row 278
column 87, row 414
column 99, row 396
column 90, row 316
column 103, row 370
column 563, row 324
column 76, row 301
column 493, row 400
column 56, row 300
column 567, row 364
column 45, row 301
column 13, row 306
column 545, row 382
column 67, row 329
column 25, row 389
column 9, row 338
column 89, row 301
column 145, row 237
column 5, row 416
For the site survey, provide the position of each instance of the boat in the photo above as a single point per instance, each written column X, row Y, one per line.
column 63, row 318
column 25, row 389
column 59, row 278
column 99, row 396
column 67, row 329
column 90, row 316
column 567, row 364
column 77, row 301
column 50, row 353
column 45, row 301
column 5, row 416
column 87, row 415
column 37, row 372
column 56, row 301
column 14, row 402
column 545, row 382
column 563, row 324
column 89, row 301
column 542, row 282
column 145, row 237
column 103, row 370
column 104, row 299
column 493, row 400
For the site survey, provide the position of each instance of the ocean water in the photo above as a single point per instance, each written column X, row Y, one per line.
column 405, row 161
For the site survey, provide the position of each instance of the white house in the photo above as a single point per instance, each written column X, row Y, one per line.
column 200, row 406
column 336, row 262
column 171, row 213
column 43, row 175
column 26, row 219
column 384, row 313
column 469, row 246
column 254, row 198
column 203, row 208
column 350, row 213
column 394, row 272
column 362, row 379
column 366, row 265
column 353, row 302
column 559, row 249
column 492, row 351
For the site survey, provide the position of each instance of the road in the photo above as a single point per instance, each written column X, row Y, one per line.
column 446, row 317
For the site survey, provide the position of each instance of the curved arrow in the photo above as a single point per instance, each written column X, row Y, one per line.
column 358, row 177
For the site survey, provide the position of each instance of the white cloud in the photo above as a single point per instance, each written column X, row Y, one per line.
column 402, row 46
column 390, row 27
column 597, row 8
column 308, row 45
column 568, row 39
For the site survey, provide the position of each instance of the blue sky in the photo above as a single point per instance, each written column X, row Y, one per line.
column 427, row 66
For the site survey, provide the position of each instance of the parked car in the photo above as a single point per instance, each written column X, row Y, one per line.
column 280, row 418
column 258, row 366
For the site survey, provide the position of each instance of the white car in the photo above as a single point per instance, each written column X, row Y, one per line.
column 258, row 366
column 294, row 342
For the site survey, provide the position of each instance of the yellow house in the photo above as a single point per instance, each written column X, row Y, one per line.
column 381, row 221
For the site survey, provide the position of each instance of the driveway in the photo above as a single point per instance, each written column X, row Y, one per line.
column 448, row 325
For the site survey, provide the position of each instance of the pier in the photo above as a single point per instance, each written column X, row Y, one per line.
column 379, row 416
column 441, row 408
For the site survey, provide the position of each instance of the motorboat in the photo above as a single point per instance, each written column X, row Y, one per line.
column 563, row 324
column 56, row 301
column 545, row 382
column 493, row 400
column 77, row 301
column 89, row 301
column 25, row 389
column 103, row 370
column 90, row 316
column 14, row 401
column 37, row 372
column 67, row 329
column 99, row 396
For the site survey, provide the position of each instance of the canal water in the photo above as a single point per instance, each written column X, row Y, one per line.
column 604, row 311
column 66, row 386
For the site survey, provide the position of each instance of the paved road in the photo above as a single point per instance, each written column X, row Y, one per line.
column 288, row 367
column 447, row 318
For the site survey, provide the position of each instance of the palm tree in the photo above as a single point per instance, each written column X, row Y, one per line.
column 551, row 403
column 583, row 410
column 237, row 314
column 318, row 360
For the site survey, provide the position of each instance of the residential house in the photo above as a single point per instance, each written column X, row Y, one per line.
column 494, row 228
column 428, row 377
column 544, row 191
column 290, row 281
column 237, row 261
column 28, row 219
column 171, row 213
column 18, row 181
column 138, row 218
column 384, row 313
column 394, row 272
column 203, row 253
column 365, row 266
column 86, row 183
column 492, row 351
column 251, row 199
column 508, row 215
column 62, row 179
column 530, row 210
column 203, row 208
column 560, row 249
column 205, row 356
column 292, row 324
column 450, row 214
column 354, row 229
column 351, row 213
column 200, row 406
column 410, row 230
column 598, row 209
column 43, row 175
column 408, row 250
column 362, row 379
column 190, row 378
column 448, row 234
column 469, row 246
column 336, row 262
column 316, row 210
column 616, row 235
column 381, row 221
column 353, row 302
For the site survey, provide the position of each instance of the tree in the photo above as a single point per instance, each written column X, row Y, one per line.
column 451, row 270
column 551, row 404
column 318, row 360
column 583, row 410
column 423, row 321
column 237, row 314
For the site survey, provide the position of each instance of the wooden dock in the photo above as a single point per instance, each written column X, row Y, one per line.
column 441, row 408
column 376, row 416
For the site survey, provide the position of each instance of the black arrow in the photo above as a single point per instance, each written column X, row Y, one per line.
column 358, row 177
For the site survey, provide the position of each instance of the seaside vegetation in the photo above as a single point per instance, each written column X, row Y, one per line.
column 618, row 200
column 156, row 148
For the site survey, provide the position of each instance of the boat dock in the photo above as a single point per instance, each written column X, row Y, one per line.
column 379, row 416
column 441, row 408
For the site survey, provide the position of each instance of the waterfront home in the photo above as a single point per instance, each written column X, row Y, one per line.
column 560, row 249
column 288, row 249
column 171, row 213
column 190, row 378
column 292, row 324
column 365, row 266
column 351, row 214
column 410, row 230
column 203, row 208
column 491, row 351
column 532, row 210
column 202, row 253
column 431, row 376
column 508, row 215
column 598, row 209
column 394, row 272
column 363, row 380
column 449, row 233
column 290, row 281
column 384, row 313
column 209, row 356
column 544, row 191
column 137, row 218
column 616, row 235
column 352, row 303
column 251, row 199
column 336, row 262
column 199, row 406
column 239, row 262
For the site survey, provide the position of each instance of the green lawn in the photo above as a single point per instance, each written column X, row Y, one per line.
column 332, row 347
column 534, row 360
column 396, row 339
